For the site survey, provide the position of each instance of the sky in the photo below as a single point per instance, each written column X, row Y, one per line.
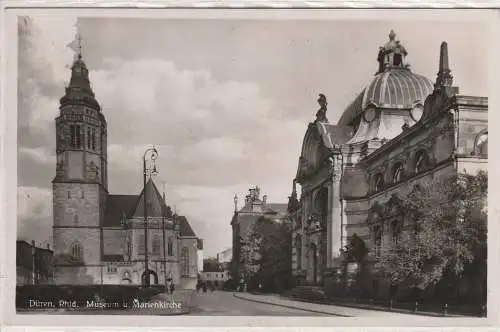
column 226, row 102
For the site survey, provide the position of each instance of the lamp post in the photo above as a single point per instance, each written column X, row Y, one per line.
column 147, row 172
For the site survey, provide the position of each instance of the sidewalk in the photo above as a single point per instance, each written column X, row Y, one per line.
column 329, row 309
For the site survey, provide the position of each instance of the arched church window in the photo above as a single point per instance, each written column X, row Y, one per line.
column 378, row 182
column 76, row 251
column 170, row 246
column 420, row 161
column 141, row 244
column 185, row 262
column 88, row 138
column 482, row 144
column 396, row 229
column 75, row 219
column 156, row 245
column 398, row 173
column 76, row 136
column 93, row 139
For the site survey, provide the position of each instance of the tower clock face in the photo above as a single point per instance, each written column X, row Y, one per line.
column 370, row 115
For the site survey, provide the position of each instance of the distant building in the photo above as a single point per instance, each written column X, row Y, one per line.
column 215, row 271
column 225, row 255
column 33, row 264
column 244, row 219
column 200, row 255
column 401, row 129
column 99, row 238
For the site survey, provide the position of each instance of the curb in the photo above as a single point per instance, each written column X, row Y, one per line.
column 288, row 306
column 394, row 310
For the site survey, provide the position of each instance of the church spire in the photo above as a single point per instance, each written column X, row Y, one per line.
column 444, row 78
column 79, row 91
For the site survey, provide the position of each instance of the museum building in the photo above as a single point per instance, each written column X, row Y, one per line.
column 400, row 130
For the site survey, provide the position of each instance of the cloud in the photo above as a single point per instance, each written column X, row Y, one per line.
column 43, row 73
column 34, row 214
column 38, row 155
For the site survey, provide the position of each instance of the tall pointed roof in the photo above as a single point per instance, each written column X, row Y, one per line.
column 79, row 91
column 120, row 207
column 156, row 207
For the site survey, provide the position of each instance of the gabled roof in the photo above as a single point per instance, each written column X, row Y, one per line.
column 157, row 207
column 184, row 226
column 333, row 134
column 321, row 134
column 119, row 207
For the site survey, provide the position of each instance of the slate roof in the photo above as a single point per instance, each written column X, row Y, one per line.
column 333, row 134
column 120, row 206
column 184, row 226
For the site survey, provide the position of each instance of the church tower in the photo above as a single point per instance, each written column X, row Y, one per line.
column 80, row 184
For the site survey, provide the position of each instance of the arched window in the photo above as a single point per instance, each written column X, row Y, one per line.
column 396, row 229
column 141, row 244
column 377, row 239
column 378, row 182
column 93, row 139
column 398, row 173
column 170, row 247
column 156, row 245
column 398, row 59
column 482, row 145
column 185, row 262
column 76, row 251
column 75, row 219
column 298, row 250
column 420, row 161
column 129, row 249
column 88, row 138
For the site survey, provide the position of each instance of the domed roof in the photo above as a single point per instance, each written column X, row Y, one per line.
column 394, row 86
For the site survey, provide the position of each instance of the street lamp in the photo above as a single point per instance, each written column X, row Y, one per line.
column 147, row 172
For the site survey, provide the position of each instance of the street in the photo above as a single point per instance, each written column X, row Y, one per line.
column 225, row 304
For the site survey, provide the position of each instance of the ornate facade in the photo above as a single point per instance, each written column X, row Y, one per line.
column 99, row 237
column 242, row 224
column 401, row 129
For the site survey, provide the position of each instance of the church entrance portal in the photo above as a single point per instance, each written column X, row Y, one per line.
column 153, row 278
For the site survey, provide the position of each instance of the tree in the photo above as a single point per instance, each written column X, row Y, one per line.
column 273, row 243
column 355, row 252
column 445, row 231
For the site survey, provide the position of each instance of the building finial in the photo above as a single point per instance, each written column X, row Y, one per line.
column 235, row 203
column 79, row 45
column 392, row 35
column 444, row 78
column 321, row 114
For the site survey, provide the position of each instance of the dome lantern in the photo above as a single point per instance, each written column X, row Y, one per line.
column 392, row 54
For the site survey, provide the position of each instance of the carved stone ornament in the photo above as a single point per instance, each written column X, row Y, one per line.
column 314, row 223
column 92, row 171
